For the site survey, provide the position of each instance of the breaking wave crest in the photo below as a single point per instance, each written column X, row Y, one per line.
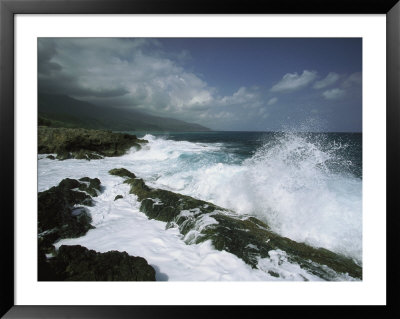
column 301, row 185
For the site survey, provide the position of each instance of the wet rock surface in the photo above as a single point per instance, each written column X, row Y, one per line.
column 61, row 211
column 62, row 214
column 83, row 143
column 122, row 172
column 244, row 236
column 77, row 263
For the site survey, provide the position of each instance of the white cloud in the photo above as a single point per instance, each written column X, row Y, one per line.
column 353, row 79
column 223, row 115
column 330, row 79
column 132, row 73
column 261, row 111
column 293, row 81
column 272, row 101
column 334, row 94
column 247, row 97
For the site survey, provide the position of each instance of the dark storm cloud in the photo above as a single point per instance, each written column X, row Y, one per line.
column 55, row 78
column 136, row 69
column 151, row 76
column 46, row 51
column 67, row 85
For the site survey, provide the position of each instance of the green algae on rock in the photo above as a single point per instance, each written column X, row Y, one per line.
column 90, row 186
column 86, row 144
column 77, row 263
column 121, row 172
column 244, row 236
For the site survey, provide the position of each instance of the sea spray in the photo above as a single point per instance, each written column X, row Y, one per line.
column 301, row 184
column 303, row 194
column 236, row 170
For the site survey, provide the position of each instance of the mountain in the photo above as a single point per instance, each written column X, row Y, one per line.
column 64, row 111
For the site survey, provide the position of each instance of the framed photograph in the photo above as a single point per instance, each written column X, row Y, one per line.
column 170, row 154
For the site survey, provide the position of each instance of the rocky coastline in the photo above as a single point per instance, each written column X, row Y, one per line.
column 63, row 213
column 82, row 143
column 244, row 236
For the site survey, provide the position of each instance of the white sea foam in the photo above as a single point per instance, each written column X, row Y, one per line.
column 285, row 184
column 121, row 226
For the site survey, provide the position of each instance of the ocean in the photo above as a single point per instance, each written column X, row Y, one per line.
column 305, row 186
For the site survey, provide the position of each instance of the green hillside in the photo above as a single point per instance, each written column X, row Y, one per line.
column 64, row 111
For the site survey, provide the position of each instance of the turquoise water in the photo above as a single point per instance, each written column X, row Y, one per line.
column 345, row 149
column 307, row 187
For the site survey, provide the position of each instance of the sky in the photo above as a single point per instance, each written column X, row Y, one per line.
column 231, row 84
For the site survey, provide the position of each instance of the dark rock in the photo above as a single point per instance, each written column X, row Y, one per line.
column 56, row 206
column 244, row 236
column 121, row 172
column 46, row 240
column 77, row 263
column 118, row 197
column 45, row 271
column 92, row 186
column 138, row 187
column 82, row 154
column 84, row 144
column 60, row 217
column 272, row 273
column 63, row 155
column 69, row 183
column 51, row 157
column 90, row 156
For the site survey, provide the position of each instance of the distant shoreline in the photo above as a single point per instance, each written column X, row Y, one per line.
column 222, row 131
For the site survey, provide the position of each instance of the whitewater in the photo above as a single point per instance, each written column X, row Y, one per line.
column 307, row 188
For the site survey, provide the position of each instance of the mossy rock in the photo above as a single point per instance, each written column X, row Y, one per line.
column 90, row 186
column 86, row 155
column 77, row 263
column 273, row 273
column 91, row 155
column 138, row 187
column 84, row 144
column 121, row 172
column 244, row 236
column 118, row 197
column 247, row 240
column 63, row 155
column 80, row 155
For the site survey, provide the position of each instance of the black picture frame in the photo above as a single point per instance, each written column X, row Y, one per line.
column 8, row 10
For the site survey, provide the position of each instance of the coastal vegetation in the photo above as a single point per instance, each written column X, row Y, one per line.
column 56, row 110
